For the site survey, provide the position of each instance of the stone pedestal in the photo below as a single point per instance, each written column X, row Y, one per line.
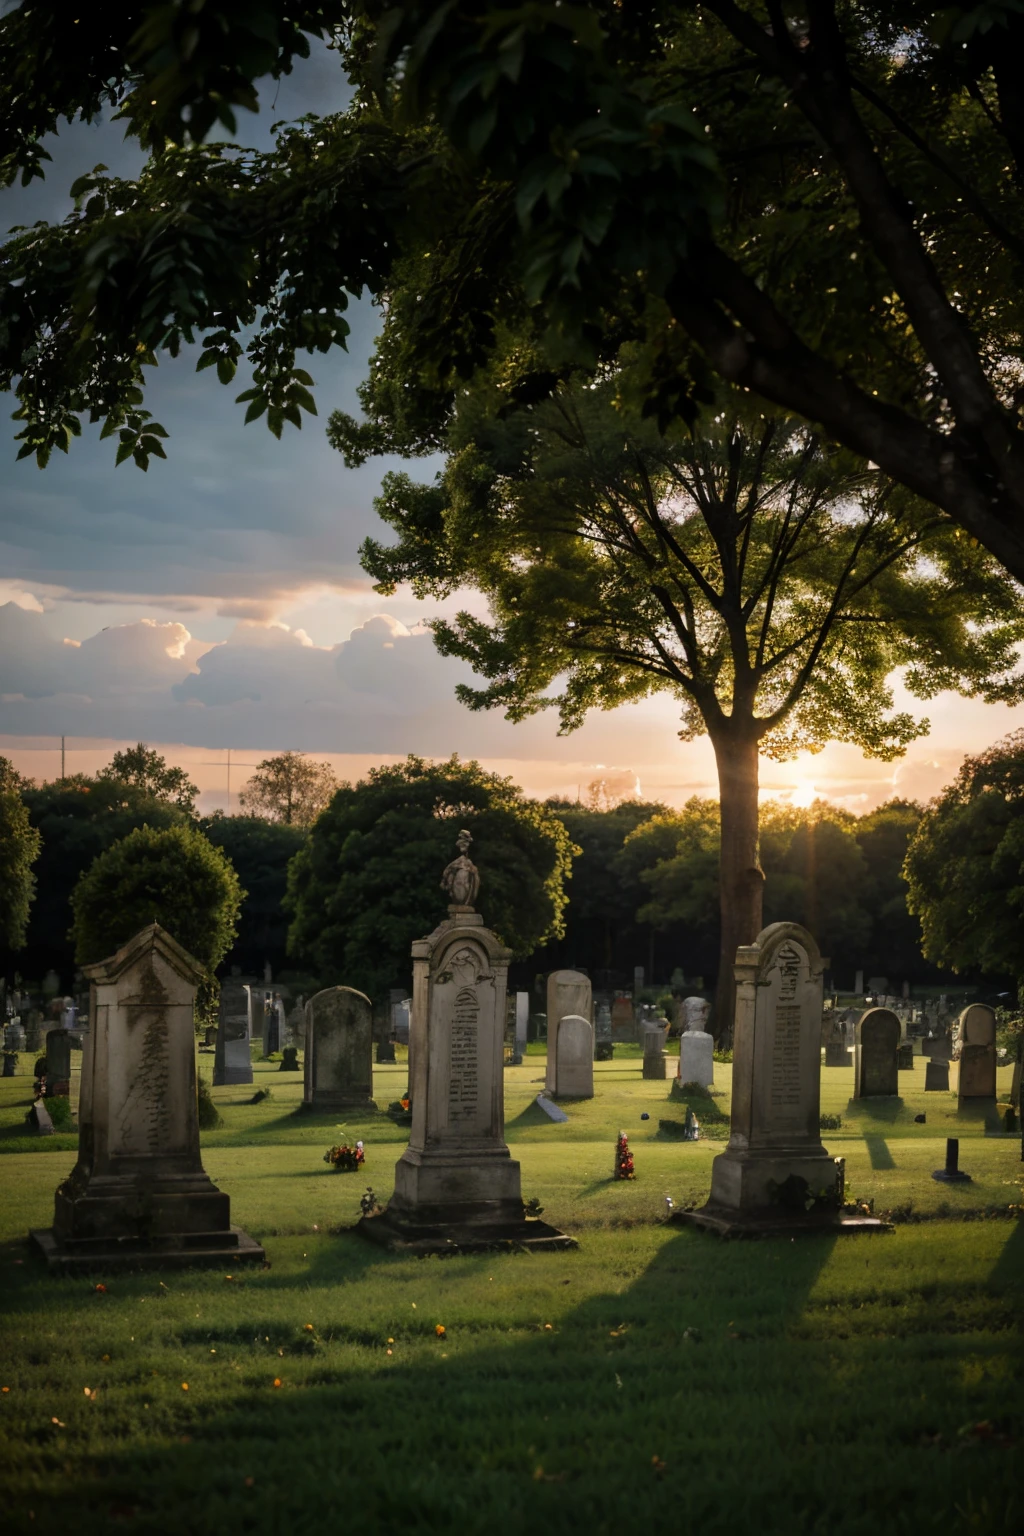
column 574, row 1064
column 875, row 1059
column 456, row 1186
column 976, row 1033
column 775, row 1157
column 138, row 1196
column 654, row 1067
column 339, row 1051
column 697, row 1057
column 569, row 993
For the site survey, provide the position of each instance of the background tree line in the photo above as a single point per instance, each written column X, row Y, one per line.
column 338, row 890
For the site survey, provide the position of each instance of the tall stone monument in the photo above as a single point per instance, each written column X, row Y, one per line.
column 876, row 1061
column 456, row 1186
column 696, row 1045
column 574, row 1066
column 569, row 992
column 775, row 1162
column 976, row 1038
column 138, row 1197
column 339, row 1051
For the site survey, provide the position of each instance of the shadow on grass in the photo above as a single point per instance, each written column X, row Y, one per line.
column 1008, row 1270
column 613, row 1420
column 878, row 1151
column 888, row 1109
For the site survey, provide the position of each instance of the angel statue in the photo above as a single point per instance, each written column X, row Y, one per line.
column 461, row 878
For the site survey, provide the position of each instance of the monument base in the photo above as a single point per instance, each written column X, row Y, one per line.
column 746, row 1181
column 774, row 1222
column 654, row 1068
column 169, row 1250
column 331, row 1104
column 400, row 1234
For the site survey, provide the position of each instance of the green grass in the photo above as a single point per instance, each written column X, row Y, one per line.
column 845, row 1386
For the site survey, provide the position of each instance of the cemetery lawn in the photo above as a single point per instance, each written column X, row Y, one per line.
column 655, row 1376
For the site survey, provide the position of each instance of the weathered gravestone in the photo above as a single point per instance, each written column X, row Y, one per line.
column 696, row 1045
column 58, row 1064
column 976, row 1033
column 290, row 1059
column 623, row 1018
column 574, row 1065
column 232, row 1061
column 339, row 1051
column 938, row 1047
column 38, row 1119
column 456, row 1186
column 654, row 1052
column 905, row 1057
column 138, row 1195
column 875, row 1068
column 936, row 1077
column 568, row 993
column 775, row 1162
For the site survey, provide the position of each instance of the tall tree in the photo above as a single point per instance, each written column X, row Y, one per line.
column 144, row 769
column 20, row 844
column 260, row 852
column 368, row 880
column 965, row 866
column 764, row 581
column 77, row 818
column 821, row 203
column 289, row 788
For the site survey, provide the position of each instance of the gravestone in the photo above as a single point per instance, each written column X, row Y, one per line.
column 271, row 1026
column 936, row 1077
column 38, row 1119
column 574, row 1065
column 775, row 1158
column 58, row 1064
column 696, row 1045
column 568, row 993
column 339, row 1051
column 34, row 1031
column 905, row 1057
column 874, row 1062
column 232, row 1061
column 939, row 1047
column 878, row 985
column 210, row 1038
column 10, row 1064
column 654, row 1052
column 456, row 1185
column 522, row 1021
column 290, row 1059
column 976, row 1031
column 623, row 1018
column 138, row 1195
column 14, row 1037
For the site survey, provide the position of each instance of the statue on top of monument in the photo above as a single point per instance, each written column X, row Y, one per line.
column 461, row 878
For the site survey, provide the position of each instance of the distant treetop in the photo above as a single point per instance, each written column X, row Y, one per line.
column 145, row 769
column 289, row 788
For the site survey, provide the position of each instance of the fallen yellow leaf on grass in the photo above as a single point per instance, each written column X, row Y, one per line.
column 548, row 1327
column 184, row 1386
column 58, row 1423
column 277, row 1381
column 101, row 1289
column 439, row 1329
column 307, row 1327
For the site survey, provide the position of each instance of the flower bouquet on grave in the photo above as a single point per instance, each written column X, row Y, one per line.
column 345, row 1159
column 623, row 1159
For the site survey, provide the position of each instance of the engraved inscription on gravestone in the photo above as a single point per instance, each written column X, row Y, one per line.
column 463, row 1084
column 785, row 1079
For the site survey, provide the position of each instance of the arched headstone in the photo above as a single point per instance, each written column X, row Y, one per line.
column 569, row 992
column 574, row 1066
column 976, row 1030
column 876, row 1061
column 339, row 1051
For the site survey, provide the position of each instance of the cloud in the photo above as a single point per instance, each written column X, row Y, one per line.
column 383, row 690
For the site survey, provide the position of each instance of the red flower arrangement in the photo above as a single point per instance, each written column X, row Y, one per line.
column 345, row 1159
column 623, row 1158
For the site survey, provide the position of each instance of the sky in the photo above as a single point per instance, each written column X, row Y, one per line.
column 217, row 604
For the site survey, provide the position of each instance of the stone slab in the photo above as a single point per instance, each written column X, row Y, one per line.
column 697, row 1058
column 189, row 1252
column 397, row 1236
column 552, row 1111
column 936, row 1077
column 733, row 1223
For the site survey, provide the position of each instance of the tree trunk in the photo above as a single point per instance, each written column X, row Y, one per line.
column 741, row 879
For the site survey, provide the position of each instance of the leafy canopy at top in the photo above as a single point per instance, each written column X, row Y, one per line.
column 819, row 203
